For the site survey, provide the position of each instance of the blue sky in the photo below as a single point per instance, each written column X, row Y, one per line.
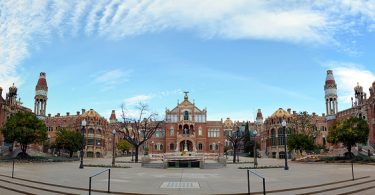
column 233, row 56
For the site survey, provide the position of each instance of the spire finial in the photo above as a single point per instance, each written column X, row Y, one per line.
column 186, row 95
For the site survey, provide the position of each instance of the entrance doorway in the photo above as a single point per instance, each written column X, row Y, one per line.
column 189, row 145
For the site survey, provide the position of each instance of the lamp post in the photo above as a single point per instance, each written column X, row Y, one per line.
column 255, row 149
column 283, row 123
column 219, row 147
column 113, row 147
column 81, row 153
column 152, row 147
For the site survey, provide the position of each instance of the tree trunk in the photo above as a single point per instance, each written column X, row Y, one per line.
column 350, row 151
column 136, row 153
column 234, row 153
column 23, row 149
column 70, row 154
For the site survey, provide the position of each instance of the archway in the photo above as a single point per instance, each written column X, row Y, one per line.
column 189, row 145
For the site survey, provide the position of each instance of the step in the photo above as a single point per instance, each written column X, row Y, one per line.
column 336, row 188
column 37, row 186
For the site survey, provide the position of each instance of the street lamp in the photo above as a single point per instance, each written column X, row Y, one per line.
column 113, row 147
column 152, row 147
column 219, row 147
column 83, row 124
column 255, row 149
column 283, row 123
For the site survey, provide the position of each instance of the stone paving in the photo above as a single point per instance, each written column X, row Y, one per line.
column 227, row 180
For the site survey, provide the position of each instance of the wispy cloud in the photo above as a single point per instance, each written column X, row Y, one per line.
column 347, row 75
column 26, row 24
column 111, row 78
column 137, row 99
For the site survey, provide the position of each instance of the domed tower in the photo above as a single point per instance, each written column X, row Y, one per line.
column 40, row 98
column 259, row 118
column 11, row 96
column 330, row 89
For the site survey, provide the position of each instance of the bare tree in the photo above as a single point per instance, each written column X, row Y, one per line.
column 235, row 137
column 138, row 130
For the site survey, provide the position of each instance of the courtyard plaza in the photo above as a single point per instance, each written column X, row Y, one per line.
column 299, row 179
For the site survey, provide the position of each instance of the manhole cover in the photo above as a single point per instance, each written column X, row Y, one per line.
column 177, row 184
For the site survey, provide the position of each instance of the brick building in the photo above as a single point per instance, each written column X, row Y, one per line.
column 186, row 128
column 9, row 106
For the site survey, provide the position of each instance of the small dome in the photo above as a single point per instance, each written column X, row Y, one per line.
column 91, row 113
column 228, row 122
column 280, row 113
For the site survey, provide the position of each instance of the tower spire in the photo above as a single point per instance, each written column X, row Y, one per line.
column 330, row 89
column 40, row 99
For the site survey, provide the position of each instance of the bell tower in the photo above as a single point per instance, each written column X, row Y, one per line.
column 330, row 89
column 40, row 98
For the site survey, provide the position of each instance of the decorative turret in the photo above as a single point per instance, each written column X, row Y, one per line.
column 11, row 96
column 40, row 98
column 259, row 118
column 112, row 118
column 359, row 95
column 330, row 89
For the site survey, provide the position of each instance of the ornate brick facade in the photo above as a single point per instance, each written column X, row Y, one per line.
column 188, row 124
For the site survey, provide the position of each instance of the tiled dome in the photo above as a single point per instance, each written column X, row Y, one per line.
column 280, row 113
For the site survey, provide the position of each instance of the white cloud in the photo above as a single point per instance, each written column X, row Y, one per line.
column 137, row 99
column 26, row 24
column 347, row 75
column 111, row 78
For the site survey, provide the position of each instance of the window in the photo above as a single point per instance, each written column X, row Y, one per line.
column 156, row 147
column 211, row 148
column 91, row 131
column 98, row 143
column 186, row 115
column 216, row 147
column 213, row 133
column 200, row 131
column 171, row 131
column 273, row 137
column 90, row 142
column 171, row 146
column 161, row 147
column 200, row 146
column 98, row 131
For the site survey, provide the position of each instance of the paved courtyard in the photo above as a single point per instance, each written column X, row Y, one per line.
column 229, row 180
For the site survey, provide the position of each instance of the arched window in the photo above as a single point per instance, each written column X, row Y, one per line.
column 216, row 147
column 171, row 131
column 98, row 131
column 211, row 148
column 281, row 136
column 156, row 147
column 200, row 131
column 273, row 137
column 186, row 115
column 161, row 147
column 91, row 131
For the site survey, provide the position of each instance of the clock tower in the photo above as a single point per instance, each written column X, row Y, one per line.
column 40, row 99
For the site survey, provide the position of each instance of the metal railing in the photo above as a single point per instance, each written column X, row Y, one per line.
column 109, row 180
column 248, row 181
column 13, row 169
